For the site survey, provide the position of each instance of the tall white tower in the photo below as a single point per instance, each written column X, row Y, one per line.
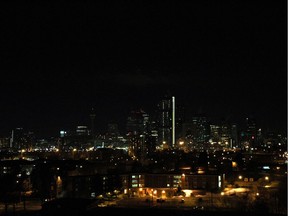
column 12, row 139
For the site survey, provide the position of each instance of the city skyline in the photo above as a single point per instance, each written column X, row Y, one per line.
column 62, row 59
column 152, row 116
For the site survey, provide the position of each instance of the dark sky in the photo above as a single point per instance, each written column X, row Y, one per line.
column 59, row 59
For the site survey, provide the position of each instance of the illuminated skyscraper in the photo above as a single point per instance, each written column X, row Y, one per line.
column 21, row 139
column 81, row 130
column 251, row 131
column 215, row 133
column 200, row 128
column 137, row 133
column 225, row 133
column 166, row 121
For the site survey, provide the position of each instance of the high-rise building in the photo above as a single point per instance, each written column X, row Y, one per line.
column 215, row 133
column 21, row 139
column 251, row 131
column 81, row 130
column 4, row 142
column 234, row 136
column 166, row 121
column 92, row 118
column 137, row 133
column 225, row 135
column 200, row 128
column 137, row 122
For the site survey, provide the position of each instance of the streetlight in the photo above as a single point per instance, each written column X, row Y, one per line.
column 153, row 192
column 58, row 186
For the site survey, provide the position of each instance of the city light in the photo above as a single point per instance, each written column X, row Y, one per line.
column 116, row 137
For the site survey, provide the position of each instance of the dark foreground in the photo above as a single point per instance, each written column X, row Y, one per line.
column 115, row 211
column 87, row 207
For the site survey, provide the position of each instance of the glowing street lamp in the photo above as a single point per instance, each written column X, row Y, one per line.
column 155, row 192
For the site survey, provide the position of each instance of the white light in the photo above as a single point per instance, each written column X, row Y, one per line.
column 219, row 182
column 173, row 121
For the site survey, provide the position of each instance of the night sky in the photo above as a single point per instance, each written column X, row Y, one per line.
column 59, row 59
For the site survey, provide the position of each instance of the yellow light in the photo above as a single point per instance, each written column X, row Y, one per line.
column 74, row 150
column 257, row 194
column 163, row 192
column 200, row 171
column 240, row 177
column 155, row 192
column 266, row 178
column 140, row 189
column 222, row 193
column 181, row 142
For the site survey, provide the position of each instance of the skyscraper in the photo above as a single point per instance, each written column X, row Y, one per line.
column 137, row 133
column 92, row 118
column 251, row 131
column 166, row 121
column 200, row 128
column 234, row 135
